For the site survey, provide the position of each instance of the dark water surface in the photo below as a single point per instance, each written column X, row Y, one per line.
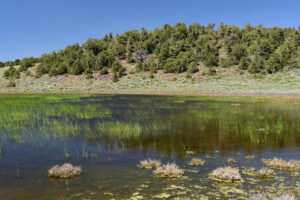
column 108, row 135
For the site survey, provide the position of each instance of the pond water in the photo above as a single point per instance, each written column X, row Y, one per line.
column 107, row 135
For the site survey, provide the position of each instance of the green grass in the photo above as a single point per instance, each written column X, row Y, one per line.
column 120, row 130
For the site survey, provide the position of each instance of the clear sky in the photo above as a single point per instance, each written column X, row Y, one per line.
column 33, row 27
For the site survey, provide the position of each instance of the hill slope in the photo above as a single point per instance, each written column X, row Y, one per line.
column 174, row 59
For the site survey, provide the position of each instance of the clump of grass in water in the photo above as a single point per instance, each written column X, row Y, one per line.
column 121, row 130
column 226, row 174
column 231, row 160
column 168, row 171
column 196, row 161
column 66, row 170
column 149, row 164
column 262, row 173
column 190, row 153
column 262, row 196
column 278, row 163
column 211, row 156
column 250, row 157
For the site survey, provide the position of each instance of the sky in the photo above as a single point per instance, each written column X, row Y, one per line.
column 34, row 27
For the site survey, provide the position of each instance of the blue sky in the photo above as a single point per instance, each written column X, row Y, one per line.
column 33, row 27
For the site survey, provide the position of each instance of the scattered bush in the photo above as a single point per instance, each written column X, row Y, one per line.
column 11, row 73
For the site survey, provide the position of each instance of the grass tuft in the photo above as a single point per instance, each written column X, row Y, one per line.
column 226, row 174
column 196, row 161
column 149, row 164
column 66, row 170
column 168, row 171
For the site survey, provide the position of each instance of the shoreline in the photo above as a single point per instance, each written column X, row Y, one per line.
column 252, row 95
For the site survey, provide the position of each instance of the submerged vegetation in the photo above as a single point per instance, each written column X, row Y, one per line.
column 66, row 170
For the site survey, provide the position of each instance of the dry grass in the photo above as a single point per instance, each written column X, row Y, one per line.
column 149, row 164
column 278, row 163
column 66, row 170
column 168, row 171
column 196, row 161
column 226, row 174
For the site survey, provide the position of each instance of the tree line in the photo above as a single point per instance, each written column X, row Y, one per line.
column 174, row 49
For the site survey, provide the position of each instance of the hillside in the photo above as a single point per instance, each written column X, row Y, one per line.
column 174, row 60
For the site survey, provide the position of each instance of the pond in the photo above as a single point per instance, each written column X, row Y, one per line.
column 108, row 135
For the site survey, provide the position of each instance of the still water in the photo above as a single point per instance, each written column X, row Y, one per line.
column 107, row 135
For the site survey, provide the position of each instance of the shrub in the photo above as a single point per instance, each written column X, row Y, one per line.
column 115, row 77
column 89, row 76
column 273, row 64
column 139, row 67
column 104, row 71
column 2, row 64
column 225, row 62
column 243, row 64
column 188, row 76
column 11, row 73
column 211, row 71
column 27, row 73
column 105, row 59
column 11, row 83
column 26, row 63
column 192, row 68
column 151, row 75
column 256, row 66
column 64, row 171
